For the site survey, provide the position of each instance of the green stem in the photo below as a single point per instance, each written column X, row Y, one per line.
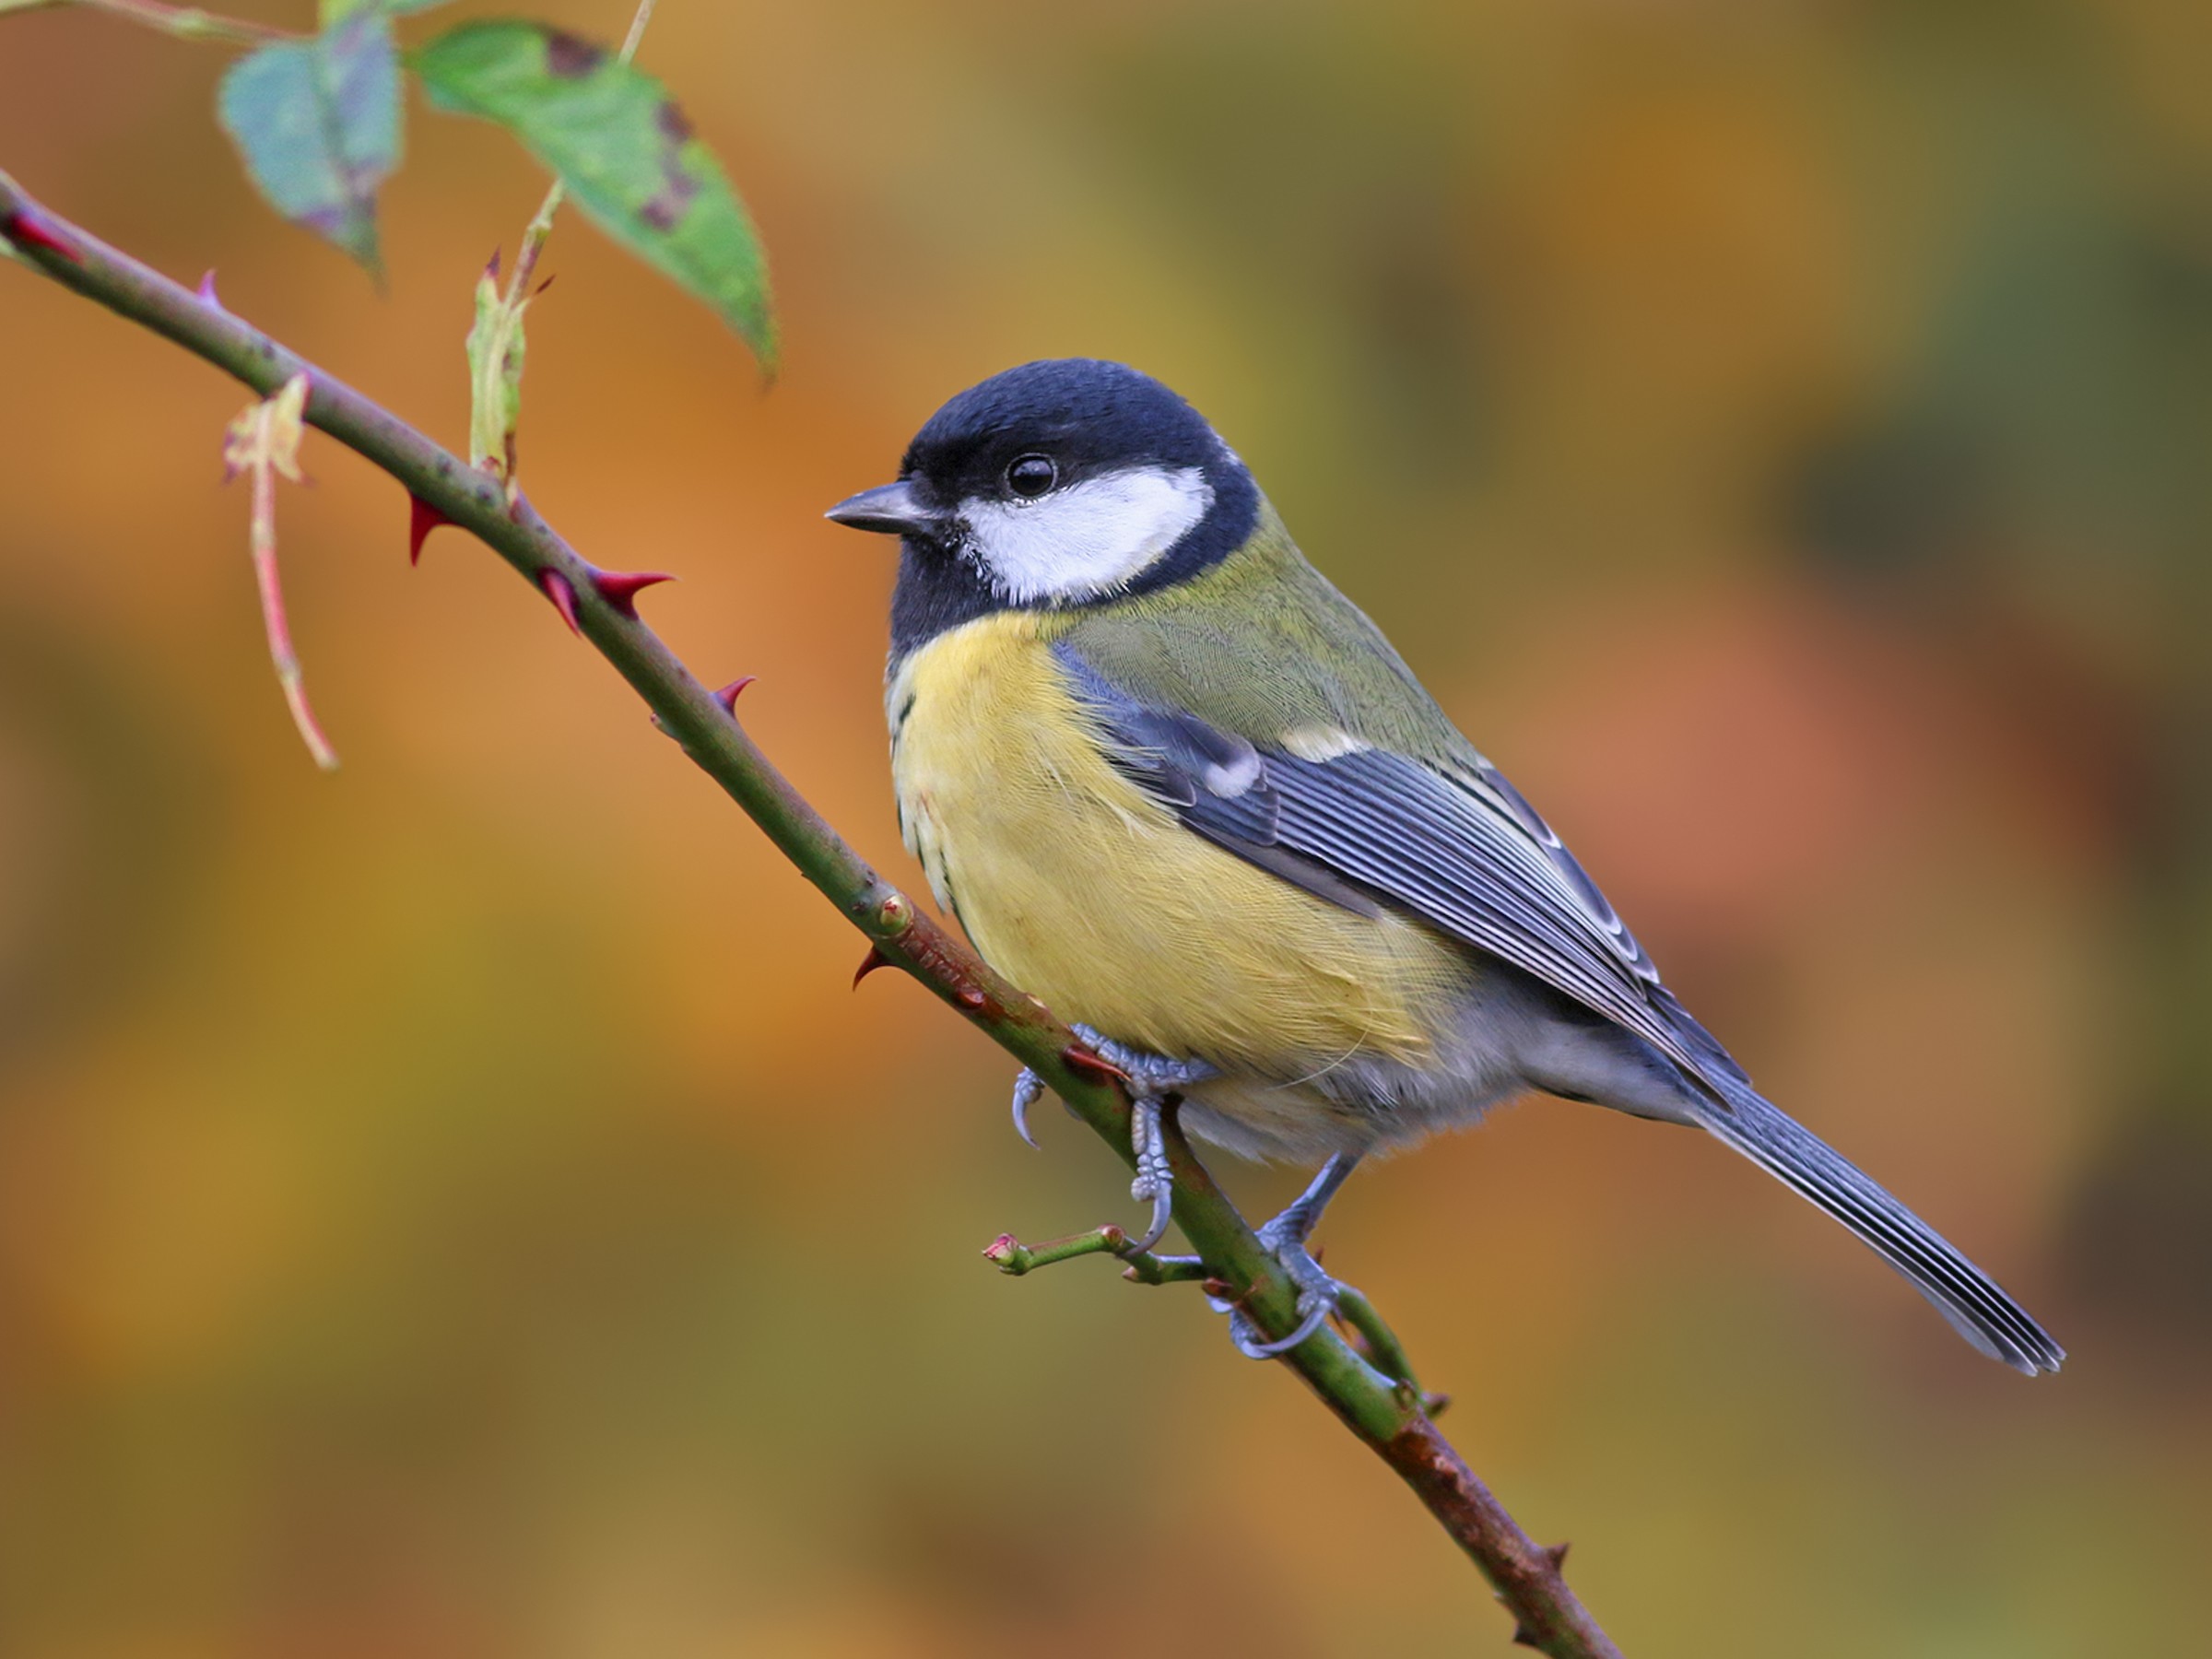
column 190, row 23
column 541, row 223
column 1527, row 1577
column 1011, row 1256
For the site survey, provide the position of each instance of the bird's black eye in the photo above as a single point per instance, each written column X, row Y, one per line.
column 1031, row 476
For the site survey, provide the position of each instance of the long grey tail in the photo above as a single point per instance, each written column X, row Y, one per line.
column 1962, row 1293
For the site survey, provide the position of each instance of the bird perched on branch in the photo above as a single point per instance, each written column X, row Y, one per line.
column 1172, row 781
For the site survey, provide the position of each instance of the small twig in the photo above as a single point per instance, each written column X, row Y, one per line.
column 541, row 223
column 264, row 441
column 1014, row 1258
column 503, row 325
column 1384, row 1349
column 190, row 23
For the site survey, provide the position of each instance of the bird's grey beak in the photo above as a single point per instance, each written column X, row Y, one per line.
column 889, row 509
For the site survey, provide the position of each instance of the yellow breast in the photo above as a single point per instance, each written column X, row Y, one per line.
column 1080, row 889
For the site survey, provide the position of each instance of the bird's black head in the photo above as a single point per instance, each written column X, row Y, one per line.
column 1058, row 483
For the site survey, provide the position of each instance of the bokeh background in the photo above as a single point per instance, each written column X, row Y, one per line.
column 457, row 1207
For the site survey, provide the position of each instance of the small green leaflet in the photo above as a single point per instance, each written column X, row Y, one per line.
column 317, row 123
column 495, row 377
column 626, row 153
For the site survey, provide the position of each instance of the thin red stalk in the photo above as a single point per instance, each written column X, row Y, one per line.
column 264, row 544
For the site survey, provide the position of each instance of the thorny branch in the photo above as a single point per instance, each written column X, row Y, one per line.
column 1386, row 1411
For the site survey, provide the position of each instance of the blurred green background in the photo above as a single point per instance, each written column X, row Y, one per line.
column 456, row 1206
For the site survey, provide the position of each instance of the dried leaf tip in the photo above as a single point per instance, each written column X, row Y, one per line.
column 620, row 588
column 557, row 589
column 266, row 432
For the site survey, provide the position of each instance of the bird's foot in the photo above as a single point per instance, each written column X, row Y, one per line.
column 1154, row 1080
column 1318, row 1294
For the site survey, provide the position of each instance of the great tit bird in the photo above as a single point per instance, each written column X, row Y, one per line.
column 1172, row 781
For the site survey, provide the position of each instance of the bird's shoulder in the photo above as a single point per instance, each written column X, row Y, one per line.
column 1264, row 647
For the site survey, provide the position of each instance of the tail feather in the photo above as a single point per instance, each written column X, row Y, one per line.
column 1977, row 1309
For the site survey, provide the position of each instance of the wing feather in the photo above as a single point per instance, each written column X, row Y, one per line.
column 1460, row 848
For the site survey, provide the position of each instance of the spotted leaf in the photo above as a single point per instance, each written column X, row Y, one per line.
column 626, row 153
column 317, row 123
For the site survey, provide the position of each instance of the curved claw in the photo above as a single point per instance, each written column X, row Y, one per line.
column 1028, row 1087
column 1163, row 1210
column 1155, row 1182
column 1314, row 1306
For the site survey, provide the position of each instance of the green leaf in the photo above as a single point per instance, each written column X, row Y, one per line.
column 626, row 153
column 317, row 123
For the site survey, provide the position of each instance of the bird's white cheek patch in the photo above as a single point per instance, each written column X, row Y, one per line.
column 1089, row 539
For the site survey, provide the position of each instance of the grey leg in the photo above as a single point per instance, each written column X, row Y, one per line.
column 1286, row 1237
column 1152, row 1079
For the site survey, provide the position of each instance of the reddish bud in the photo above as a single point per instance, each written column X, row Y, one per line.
column 620, row 588
column 970, row 996
column 29, row 230
column 727, row 696
column 868, row 964
column 1001, row 1250
column 557, row 589
column 422, row 518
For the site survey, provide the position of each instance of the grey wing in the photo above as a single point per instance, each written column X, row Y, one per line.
column 1458, row 847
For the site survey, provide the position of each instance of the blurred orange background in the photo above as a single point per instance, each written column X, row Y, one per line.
column 456, row 1206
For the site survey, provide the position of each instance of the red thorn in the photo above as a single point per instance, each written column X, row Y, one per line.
column 422, row 518
column 207, row 290
column 1524, row 1637
column 620, row 588
column 28, row 229
column 542, row 286
column 1556, row 1554
column 491, row 266
column 868, row 964
column 557, row 589
column 1077, row 1058
column 727, row 696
